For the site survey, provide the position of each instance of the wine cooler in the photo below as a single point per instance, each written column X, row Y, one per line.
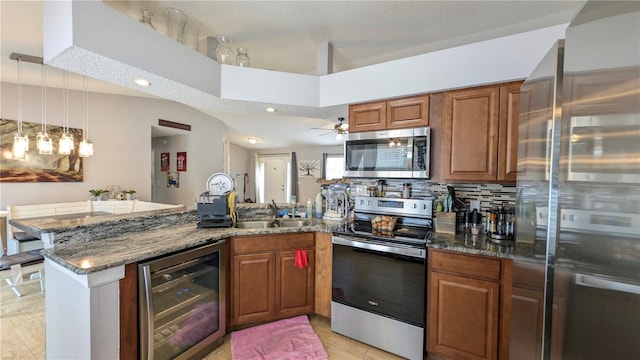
column 181, row 301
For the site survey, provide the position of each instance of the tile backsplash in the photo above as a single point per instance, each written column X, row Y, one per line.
column 489, row 195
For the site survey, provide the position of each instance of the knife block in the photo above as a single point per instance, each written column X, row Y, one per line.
column 446, row 222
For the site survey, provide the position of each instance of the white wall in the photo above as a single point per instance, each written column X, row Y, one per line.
column 242, row 162
column 120, row 127
column 307, row 187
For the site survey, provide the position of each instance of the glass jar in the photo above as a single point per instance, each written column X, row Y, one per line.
column 146, row 18
column 224, row 54
column 242, row 59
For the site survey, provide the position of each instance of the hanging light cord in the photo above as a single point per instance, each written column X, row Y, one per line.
column 44, row 100
column 85, row 108
column 65, row 101
column 19, row 95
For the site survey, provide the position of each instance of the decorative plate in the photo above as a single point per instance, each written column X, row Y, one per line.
column 220, row 184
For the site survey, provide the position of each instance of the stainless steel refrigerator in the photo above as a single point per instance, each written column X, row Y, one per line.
column 577, row 293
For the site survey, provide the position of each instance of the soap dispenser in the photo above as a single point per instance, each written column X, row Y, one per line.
column 309, row 208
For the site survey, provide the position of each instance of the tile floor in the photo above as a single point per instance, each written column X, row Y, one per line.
column 22, row 332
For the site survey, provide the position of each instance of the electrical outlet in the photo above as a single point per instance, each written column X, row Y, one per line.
column 475, row 204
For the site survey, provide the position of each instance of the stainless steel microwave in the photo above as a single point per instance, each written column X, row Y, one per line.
column 605, row 148
column 402, row 153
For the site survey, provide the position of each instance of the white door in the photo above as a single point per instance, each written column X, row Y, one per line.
column 274, row 178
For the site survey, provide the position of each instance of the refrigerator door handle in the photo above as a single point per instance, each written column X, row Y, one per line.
column 606, row 284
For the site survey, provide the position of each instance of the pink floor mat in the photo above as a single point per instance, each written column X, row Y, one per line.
column 291, row 338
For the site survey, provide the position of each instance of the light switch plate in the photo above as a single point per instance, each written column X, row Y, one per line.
column 475, row 204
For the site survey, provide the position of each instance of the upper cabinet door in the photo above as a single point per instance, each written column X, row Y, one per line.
column 368, row 117
column 470, row 134
column 408, row 112
column 509, row 120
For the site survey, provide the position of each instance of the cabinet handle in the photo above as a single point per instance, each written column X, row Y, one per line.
column 372, row 303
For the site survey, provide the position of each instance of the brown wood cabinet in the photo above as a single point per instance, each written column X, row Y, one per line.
column 480, row 134
column 265, row 283
column 324, row 263
column 466, row 306
column 527, row 304
column 400, row 113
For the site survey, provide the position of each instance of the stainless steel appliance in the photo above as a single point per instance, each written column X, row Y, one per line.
column 581, row 175
column 182, row 304
column 378, row 286
column 604, row 148
column 402, row 153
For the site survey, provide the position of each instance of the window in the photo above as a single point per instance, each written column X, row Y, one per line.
column 333, row 166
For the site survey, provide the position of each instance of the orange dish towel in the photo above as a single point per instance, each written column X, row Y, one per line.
column 301, row 259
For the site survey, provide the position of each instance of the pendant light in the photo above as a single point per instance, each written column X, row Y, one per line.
column 20, row 141
column 45, row 145
column 65, row 146
column 86, row 146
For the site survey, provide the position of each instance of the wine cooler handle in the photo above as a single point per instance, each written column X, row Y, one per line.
column 148, row 304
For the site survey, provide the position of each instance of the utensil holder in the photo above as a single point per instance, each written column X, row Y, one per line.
column 446, row 223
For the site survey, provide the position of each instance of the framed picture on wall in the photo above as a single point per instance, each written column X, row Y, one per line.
column 38, row 167
column 173, row 179
column 181, row 161
column 164, row 162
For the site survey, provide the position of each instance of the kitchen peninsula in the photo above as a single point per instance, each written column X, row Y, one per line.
column 84, row 270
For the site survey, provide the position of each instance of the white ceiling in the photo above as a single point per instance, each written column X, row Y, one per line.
column 285, row 36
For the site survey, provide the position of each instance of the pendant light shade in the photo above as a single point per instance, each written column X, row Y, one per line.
column 20, row 140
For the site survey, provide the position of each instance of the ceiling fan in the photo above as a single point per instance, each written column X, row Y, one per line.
column 339, row 129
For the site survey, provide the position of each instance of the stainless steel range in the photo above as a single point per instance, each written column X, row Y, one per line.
column 378, row 286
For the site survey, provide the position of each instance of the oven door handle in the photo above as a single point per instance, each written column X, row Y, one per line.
column 363, row 244
column 606, row 284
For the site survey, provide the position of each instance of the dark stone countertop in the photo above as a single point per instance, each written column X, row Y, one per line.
column 99, row 245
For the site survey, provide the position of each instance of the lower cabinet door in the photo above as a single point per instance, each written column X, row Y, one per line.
column 463, row 317
column 253, row 287
column 294, row 286
column 526, row 324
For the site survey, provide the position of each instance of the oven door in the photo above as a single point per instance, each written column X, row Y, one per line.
column 605, row 148
column 381, row 279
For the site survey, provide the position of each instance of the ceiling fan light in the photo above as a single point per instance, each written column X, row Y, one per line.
column 339, row 136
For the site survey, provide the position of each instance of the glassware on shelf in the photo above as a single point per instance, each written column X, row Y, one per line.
column 146, row 18
column 176, row 21
column 242, row 59
column 224, row 54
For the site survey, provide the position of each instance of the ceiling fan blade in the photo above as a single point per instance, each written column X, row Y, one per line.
column 320, row 129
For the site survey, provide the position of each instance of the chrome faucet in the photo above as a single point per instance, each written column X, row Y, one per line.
column 274, row 208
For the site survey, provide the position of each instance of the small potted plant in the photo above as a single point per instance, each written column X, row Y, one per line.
column 99, row 194
column 129, row 194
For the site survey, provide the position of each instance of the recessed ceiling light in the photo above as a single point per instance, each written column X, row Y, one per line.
column 142, row 82
column 252, row 140
column 270, row 109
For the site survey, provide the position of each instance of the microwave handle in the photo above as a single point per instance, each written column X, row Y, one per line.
column 409, row 158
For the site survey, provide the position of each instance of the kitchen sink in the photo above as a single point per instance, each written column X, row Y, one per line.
column 254, row 224
column 291, row 223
